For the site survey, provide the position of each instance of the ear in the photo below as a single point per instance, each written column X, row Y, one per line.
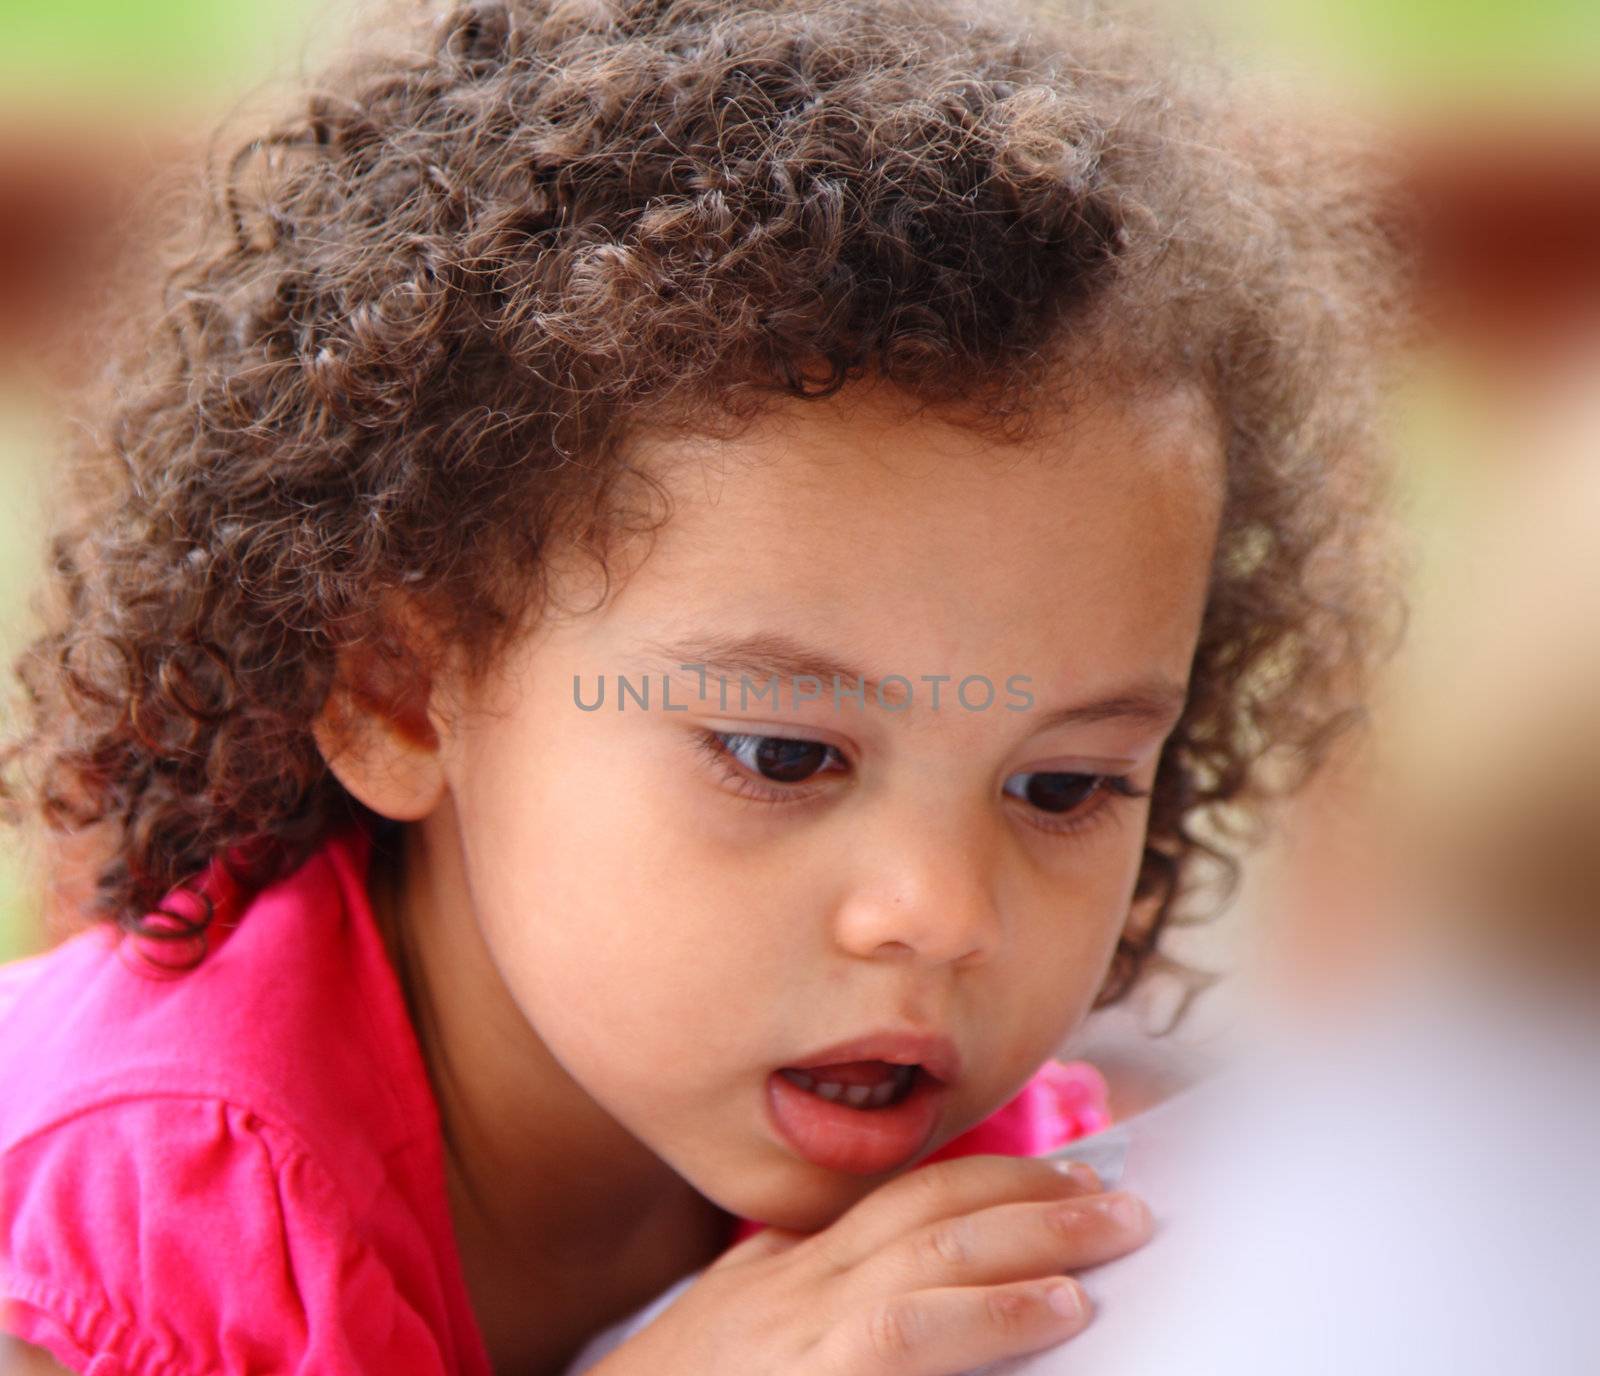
column 378, row 729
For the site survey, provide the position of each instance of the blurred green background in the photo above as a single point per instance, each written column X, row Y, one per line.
column 176, row 65
column 1429, row 49
column 156, row 59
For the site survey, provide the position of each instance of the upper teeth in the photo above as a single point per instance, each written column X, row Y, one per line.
column 857, row 1096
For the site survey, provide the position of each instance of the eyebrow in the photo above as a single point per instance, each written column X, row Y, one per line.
column 761, row 655
column 1157, row 701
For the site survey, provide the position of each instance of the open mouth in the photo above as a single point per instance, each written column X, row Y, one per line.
column 861, row 1084
column 865, row 1117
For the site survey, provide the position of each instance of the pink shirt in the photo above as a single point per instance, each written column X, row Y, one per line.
column 239, row 1168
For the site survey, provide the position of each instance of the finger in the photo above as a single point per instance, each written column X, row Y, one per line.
column 1012, row 1242
column 944, row 1189
column 956, row 1329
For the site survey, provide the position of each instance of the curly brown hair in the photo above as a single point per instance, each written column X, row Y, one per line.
column 426, row 305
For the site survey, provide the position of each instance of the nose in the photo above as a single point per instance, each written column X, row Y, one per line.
column 928, row 898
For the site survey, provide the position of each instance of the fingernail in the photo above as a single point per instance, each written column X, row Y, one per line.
column 1079, row 1174
column 1064, row 1300
column 1127, row 1211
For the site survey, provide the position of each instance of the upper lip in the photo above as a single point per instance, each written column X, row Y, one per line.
column 937, row 1055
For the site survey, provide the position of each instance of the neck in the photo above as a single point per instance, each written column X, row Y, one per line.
column 549, row 1195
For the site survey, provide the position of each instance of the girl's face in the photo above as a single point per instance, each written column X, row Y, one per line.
column 683, row 897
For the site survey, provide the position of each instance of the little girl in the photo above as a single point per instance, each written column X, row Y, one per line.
column 669, row 597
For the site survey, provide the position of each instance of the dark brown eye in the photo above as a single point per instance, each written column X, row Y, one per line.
column 1055, row 792
column 779, row 759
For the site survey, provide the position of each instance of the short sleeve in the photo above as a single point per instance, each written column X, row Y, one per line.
column 171, row 1235
column 1063, row 1101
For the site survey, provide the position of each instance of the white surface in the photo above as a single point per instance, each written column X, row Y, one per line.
column 1411, row 1193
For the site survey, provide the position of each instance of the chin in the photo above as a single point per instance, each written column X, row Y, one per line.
column 810, row 1207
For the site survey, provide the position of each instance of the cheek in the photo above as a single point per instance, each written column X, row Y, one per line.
column 1080, row 905
column 1094, row 875
column 590, row 872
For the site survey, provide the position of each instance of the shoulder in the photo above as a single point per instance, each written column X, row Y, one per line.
column 294, row 1014
column 172, row 1233
column 238, row 1164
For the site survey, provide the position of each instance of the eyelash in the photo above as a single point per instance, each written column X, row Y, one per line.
column 1108, row 787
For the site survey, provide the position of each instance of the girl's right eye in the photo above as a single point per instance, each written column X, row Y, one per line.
column 783, row 761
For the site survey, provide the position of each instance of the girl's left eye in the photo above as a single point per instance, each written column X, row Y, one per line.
column 1068, row 800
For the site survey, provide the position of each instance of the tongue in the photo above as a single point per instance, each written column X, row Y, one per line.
column 852, row 1073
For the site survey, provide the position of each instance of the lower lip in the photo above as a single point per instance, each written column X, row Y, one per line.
column 857, row 1141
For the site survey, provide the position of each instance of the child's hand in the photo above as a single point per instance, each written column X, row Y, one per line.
column 939, row 1272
